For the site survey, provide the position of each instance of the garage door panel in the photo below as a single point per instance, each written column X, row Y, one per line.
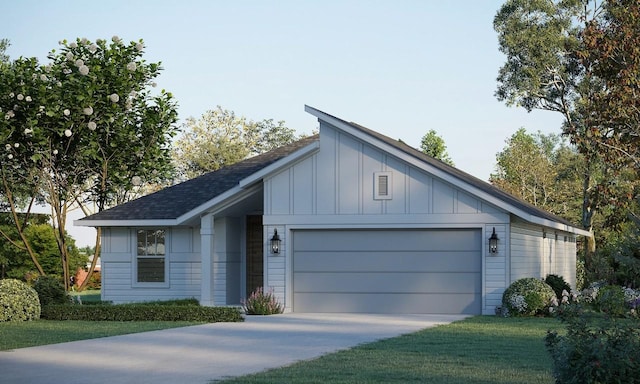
column 387, row 240
column 388, row 261
column 388, row 303
column 382, row 282
column 387, row 271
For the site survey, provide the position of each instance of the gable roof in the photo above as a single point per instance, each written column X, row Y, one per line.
column 175, row 204
column 175, row 201
column 489, row 192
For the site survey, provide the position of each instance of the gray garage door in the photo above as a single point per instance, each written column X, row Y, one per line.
column 387, row 271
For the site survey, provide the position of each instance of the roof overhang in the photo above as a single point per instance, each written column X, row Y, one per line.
column 245, row 188
column 342, row 125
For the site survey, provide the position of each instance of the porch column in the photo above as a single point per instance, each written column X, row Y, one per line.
column 207, row 238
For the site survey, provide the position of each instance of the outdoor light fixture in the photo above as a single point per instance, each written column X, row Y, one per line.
column 275, row 242
column 493, row 242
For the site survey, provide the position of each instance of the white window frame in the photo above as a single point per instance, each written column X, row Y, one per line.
column 135, row 257
column 378, row 192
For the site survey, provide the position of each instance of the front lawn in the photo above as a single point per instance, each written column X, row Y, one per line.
column 41, row 332
column 482, row 349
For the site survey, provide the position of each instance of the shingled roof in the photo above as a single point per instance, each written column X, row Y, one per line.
column 175, row 201
column 455, row 172
column 172, row 202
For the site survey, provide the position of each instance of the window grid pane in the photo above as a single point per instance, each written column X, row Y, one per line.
column 151, row 252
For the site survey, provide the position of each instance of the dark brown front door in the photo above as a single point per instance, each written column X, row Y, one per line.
column 255, row 263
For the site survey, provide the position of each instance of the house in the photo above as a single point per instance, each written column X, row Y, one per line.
column 365, row 223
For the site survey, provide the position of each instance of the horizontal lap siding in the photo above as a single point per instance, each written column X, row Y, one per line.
column 117, row 260
column 535, row 253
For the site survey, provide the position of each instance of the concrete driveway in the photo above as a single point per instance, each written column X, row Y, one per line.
column 202, row 353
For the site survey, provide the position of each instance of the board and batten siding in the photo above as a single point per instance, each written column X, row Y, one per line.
column 339, row 180
column 334, row 188
column 118, row 255
column 538, row 252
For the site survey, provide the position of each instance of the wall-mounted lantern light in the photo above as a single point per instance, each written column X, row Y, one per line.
column 493, row 242
column 275, row 242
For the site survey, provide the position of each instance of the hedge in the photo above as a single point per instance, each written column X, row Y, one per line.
column 141, row 312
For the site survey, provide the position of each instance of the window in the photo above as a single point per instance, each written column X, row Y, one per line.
column 150, row 258
column 382, row 185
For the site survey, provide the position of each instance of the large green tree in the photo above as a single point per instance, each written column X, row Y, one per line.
column 433, row 145
column 81, row 129
column 543, row 170
column 220, row 138
column 546, row 43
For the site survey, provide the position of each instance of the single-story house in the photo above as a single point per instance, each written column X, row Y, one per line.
column 348, row 220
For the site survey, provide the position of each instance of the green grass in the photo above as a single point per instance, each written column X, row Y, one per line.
column 41, row 332
column 477, row 350
column 88, row 296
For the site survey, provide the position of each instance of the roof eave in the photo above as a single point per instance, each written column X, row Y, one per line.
column 125, row 223
column 442, row 174
column 248, row 185
column 280, row 164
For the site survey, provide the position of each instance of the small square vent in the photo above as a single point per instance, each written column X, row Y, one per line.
column 382, row 185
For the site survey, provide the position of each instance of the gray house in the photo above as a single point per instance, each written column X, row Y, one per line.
column 345, row 221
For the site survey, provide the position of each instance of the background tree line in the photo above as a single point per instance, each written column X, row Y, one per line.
column 88, row 129
column 577, row 58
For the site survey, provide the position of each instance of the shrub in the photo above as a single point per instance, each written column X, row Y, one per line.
column 50, row 291
column 581, row 274
column 18, row 301
column 558, row 284
column 595, row 349
column 95, row 280
column 261, row 303
column 141, row 312
column 610, row 300
column 527, row 297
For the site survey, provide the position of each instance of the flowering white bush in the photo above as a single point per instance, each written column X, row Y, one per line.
column 528, row 296
column 53, row 111
column 518, row 302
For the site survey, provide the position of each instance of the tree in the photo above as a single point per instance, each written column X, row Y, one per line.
column 541, row 169
column 14, row 260
column 81, row 129
column 434, row 146
column 610, row 52
column 546, row 43
column 4, row 44
column 220, row 138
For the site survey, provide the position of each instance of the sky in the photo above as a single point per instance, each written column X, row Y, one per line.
column 399, row 67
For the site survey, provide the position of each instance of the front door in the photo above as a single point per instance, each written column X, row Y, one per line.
column 255, row 261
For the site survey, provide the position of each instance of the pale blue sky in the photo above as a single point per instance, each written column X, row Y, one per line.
column 399, row 67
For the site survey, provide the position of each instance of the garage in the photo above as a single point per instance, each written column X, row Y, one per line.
column 435, row 271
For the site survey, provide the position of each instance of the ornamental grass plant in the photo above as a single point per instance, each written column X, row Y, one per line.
column 262, row 303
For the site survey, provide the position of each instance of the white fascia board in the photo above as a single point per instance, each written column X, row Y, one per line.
column 278, row 165
column 231, row 196
column 125, row 223
column 441, row 174
column 558, row 226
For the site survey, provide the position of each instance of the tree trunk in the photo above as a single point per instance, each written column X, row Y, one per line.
column 92, row 268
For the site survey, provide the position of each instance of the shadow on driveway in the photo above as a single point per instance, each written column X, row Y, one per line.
column 199, row 354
